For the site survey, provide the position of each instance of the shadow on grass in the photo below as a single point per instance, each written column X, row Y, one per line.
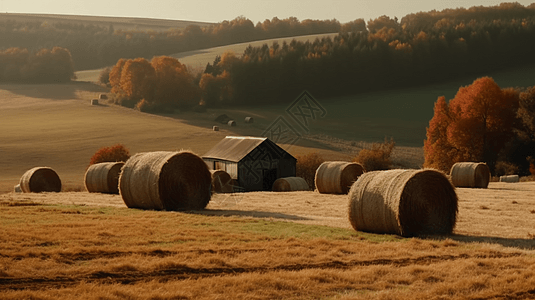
column 54, row 91
column 525, row 244
column 253, row 214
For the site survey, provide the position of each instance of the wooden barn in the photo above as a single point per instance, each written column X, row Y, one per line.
column 254, row 163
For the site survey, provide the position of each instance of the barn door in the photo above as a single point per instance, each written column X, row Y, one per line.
column 269, row 176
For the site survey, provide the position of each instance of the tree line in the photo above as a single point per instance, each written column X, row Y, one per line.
column 420, row 49
column 42, row 66
column 94, row 46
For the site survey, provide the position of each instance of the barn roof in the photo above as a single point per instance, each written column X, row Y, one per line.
column 235, row 148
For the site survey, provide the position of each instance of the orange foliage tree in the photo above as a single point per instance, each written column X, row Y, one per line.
column 474, row 126
column 163, row 83
column 110, row 154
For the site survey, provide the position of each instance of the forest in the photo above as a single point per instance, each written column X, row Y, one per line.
column 97, row 46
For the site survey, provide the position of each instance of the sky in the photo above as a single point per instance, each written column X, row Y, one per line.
column 256, row 11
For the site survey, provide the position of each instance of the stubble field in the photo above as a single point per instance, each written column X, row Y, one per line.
column 261, row 245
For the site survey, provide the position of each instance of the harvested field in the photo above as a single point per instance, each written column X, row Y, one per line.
column 261, row 245
column 503, row 213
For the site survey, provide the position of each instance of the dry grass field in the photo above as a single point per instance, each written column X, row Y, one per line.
column 260, row 246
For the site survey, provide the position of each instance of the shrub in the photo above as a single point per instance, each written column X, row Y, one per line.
column 307, row 165
column 110, row 154
column 378, row 157
column 104, row 76
column 505, row 168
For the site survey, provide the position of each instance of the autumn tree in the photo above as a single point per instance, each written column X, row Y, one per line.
column 174, row 85
column 114, row 153
column 474, row 126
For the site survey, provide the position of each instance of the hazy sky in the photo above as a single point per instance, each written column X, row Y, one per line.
column 216, row 11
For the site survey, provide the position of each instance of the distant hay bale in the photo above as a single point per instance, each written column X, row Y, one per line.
column 336, row 177
column 215, row 128
column 221, row 182
column 470, row 175
column 103, row 177
column 103, row 97
column 290, row 184
column 249, row 120
column 403, row 202
column 165, row 181
column 510, row 178
column 231, row 123
column 40, row 179
column 94, row 101
column 17, row 189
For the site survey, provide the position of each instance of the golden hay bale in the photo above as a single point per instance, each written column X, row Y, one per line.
column 17, row 189
column 215, row 128
column 165, row 181
column 290, row 184
column 470, row 174
column 94, row 101
column 221, row 182
column 103, row 177
column 403, row 202
column 336, row 177
column 231, row 123
column 103, row 97
column 510, row 178
column 40, row 179
column 249, row 120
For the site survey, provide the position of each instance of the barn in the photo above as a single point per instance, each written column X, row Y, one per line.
column 253, row 162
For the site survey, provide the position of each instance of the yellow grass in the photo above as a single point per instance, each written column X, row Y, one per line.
column 59, row 246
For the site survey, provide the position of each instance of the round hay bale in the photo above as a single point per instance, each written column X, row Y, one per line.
column 231, row 123
column 215, row 128
column 103, row 177
column 403, row 202
column 165, row 181
column 40, row 179
column 470, row 175
column 249, row 120
column 94, row 101
column 17, row 189
column 290, row 184
column 336, row 177
column 221, row 182
column 103, row 97
column 510, row 178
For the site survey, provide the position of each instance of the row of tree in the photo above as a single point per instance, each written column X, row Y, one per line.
column 396, row 55
column 483, row 123
column 43, row 66
column 94, row 46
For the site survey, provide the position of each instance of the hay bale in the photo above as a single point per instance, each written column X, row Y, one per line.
column 165, row 181
column 17, row 189
column 94, row 101
column 103, row 97
column 103, row 177
column 336, row 177
column 231, row 123
column 249, row 120
column 403, row 202
column 510, row 178
column 470, row 174
column 221, row 182
column 40, row 179
column 215, row 128
column 290, row 184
